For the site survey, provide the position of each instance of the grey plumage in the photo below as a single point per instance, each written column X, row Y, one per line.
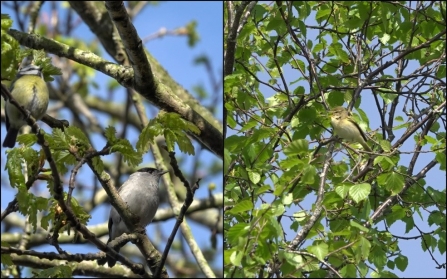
column 140, row 192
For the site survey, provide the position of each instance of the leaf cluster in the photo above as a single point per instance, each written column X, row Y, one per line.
column 300, row 204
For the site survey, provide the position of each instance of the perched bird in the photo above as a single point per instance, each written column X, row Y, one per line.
column 140, row 192
column 347, row 128
column 29, row 90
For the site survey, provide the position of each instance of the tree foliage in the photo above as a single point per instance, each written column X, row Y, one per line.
column 298, row 202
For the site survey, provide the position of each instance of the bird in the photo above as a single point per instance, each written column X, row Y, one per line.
column 347, row 128
column 30, row 91
column 140, row 193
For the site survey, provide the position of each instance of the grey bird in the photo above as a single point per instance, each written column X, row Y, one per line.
column 140, row 192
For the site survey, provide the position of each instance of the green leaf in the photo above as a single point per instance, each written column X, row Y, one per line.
column 349, row 271
column 320, row 250
column 322, row 13
column 242, row 206
column 292, row 258
column 385, row 38
column 6, row 259
column 98, row 165
column 287, row 199
column 227, row 160
column 28, row 139
column 110, row 134
column 300, row 216
column 378, row 256
column 309, row 175
column 236, row 258
column 237, row 231
column 75, row 136
column 409, row 224
column 297, row 147
column 361, row 249
column 58, row 140
column 130, row 156
column 60, row 271
column 401, row 262
column 441, row 159
column 385, row 162
column 359, row 226
column 360, row 192
column 173, row 128
column 234, row 143
column 337, row 50
column 254, row 176
column 396, row 214
column 14, row 167
column 394, row 183
column 277, row 210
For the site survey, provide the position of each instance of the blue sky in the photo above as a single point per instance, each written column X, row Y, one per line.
column 174, row 54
